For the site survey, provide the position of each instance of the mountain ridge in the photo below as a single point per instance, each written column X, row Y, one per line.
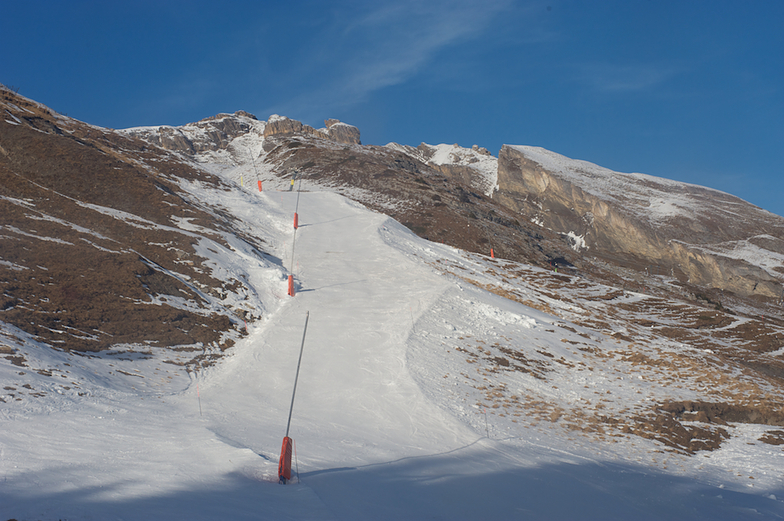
column 692, row 232
column 442, row 364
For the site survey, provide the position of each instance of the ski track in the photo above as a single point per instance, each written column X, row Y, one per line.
column 380, row 432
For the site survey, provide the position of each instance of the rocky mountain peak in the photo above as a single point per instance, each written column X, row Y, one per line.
column 335, row 130
column 209, row 134
column 474, row 167
column 342, row 132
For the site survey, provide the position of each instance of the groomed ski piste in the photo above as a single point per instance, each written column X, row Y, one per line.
column 388, row 421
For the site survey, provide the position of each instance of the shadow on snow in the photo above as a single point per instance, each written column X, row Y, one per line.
column 462, row 485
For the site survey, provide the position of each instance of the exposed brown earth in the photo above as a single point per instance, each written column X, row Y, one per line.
column 773, row 438
column 722, row 413
column 80, row 276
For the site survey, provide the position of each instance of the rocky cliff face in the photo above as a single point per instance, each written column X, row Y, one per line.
column 473, row 167
column 335, row 130
column 218, row 133
column 693, row 234
column 209, row 134
column 342, row 133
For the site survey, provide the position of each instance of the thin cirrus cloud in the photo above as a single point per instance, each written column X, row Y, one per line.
column 636, row 78
column 384, row 46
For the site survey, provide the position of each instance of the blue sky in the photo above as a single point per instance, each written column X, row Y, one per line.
column 688, row 90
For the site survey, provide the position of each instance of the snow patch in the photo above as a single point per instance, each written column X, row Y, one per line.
column 576, row 242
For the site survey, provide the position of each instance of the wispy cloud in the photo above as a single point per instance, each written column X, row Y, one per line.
column 404, row 37
column 373, row 46
column 612, row 78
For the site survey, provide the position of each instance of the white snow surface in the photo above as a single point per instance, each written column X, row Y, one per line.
column 577, row 242
column 390, row 420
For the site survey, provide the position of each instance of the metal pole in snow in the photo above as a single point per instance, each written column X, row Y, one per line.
column 254, row 168
column 296, row 208
column 301, row 348
column 197, row 393
column 299, row 189
column 293, row 241
column 291, row 271
column 294, row 238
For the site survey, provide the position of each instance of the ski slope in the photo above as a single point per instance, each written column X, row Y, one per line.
column 386, row 423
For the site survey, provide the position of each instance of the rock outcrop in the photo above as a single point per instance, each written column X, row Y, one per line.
column 473, row 167
column 218, row 132
column 694, row 234
column 335, row 130
column 281, row 125
column 213, row 133
column 342, row 132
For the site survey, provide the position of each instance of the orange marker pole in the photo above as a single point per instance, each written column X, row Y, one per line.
column 284, row 464
column 296, row 208
column 260, row 185
column 291, row 271
column 492, row 253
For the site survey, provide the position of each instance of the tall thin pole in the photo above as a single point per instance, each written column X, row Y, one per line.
column 198, row 395
column 293, row 241
column 299, row 189
column 294, row 238
column 254, row 167
column 291, row 270
column 296, row 209
column 301, row 348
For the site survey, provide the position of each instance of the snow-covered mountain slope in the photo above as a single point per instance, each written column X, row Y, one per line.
column 102, row 248
column 81, row 200
column 435, row 382
column 715, row 245
column 421, row 393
